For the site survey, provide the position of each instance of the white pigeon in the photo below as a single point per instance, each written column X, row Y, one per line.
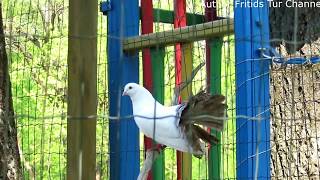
column 177, row 126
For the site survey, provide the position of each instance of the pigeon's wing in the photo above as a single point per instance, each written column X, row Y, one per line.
column 163, row 124
column 168, row 122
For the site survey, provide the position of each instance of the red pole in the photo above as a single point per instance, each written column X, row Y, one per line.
column 210, row 15
column 147, row 27
column 180, row 20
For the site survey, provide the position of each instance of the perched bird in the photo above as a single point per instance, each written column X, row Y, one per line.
column 178, row 126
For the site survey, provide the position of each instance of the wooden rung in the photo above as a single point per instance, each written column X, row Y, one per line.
column 184, row 34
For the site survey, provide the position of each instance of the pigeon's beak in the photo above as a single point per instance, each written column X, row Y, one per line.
column 124, row 93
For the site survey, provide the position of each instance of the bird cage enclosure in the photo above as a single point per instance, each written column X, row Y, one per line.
column 65, row 64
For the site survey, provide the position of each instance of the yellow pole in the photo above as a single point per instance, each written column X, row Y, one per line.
column 186, row 71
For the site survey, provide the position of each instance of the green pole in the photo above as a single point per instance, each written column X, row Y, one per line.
column 157, row 61
column 215, row 162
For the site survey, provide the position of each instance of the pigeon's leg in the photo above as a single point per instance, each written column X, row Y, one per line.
column 151, row 155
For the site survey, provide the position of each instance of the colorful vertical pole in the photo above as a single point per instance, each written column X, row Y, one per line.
column 183, row 65
column 157, row 61
column 252, row 97
column 123, row 21
column 213, row 67
column 153, row 80
column 215, row 161
column 147, row 27
column 186, row 70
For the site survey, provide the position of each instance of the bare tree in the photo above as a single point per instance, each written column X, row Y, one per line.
column 10, row 166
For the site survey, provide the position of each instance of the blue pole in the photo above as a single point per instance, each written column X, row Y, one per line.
column 252, row 97
column 123, row 21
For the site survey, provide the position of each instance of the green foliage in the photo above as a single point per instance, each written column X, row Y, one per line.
column 37, row 54
column 228, row 89
column 37, row 37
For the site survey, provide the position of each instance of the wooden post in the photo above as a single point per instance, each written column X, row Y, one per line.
column 82, row 90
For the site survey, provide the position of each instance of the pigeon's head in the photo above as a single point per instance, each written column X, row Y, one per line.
column 131, row 89
column 137, row 93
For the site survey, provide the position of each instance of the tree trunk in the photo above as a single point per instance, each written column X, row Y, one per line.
column 10, row 166
column 295, row 110
column 294, row 27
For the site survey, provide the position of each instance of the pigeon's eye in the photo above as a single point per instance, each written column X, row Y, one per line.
column 130, row 87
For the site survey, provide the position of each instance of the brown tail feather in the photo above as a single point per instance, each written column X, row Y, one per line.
column 210, row 124
column 205, row 136
column 211, row 109
column 203, row 109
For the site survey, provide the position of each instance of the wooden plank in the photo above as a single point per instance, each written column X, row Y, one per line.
column 166, row 16
column 82, row 90
column 180, row 35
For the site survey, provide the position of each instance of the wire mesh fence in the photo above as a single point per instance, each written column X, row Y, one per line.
column 36, row 41
column 295, row 109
